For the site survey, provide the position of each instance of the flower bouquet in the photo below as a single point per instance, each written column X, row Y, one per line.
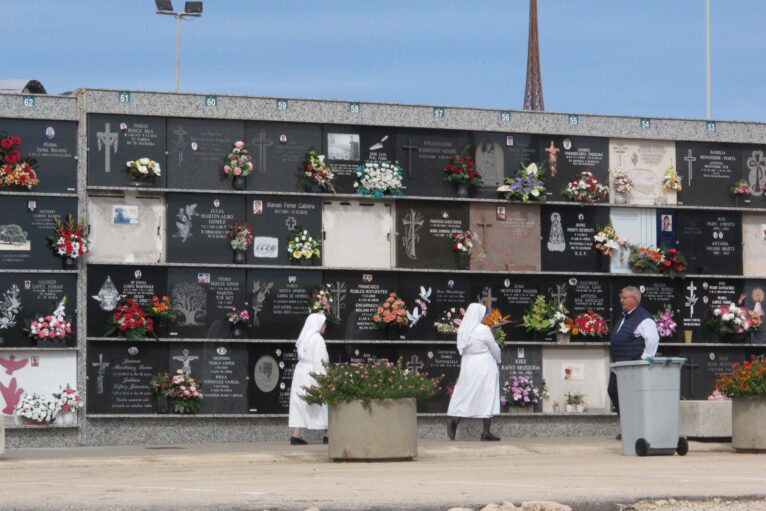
column 461, row 171
column 606, row 240
column 143, row 168
column 238, row 164
column 585, row 188
column 51, row 328
column 36, row 409
column 673, row 263
column 732, row 322
column 69, row 240
column 68, row 401
column 671, row 182
column 379, row 178
column 495, row 321
column 303, row 247
column 745, row 379
column 240, row 237
column 717, row 395
column 185, row 394
column 666, row 323
column 740, row 187
column 623, row 185
column 538, row 317
column 129, row 320
column 561, row 324
column 391, row 314
column 238, row 320
column 15, row 170
column 377, row 379
column 449, row 320
column 160, row 387
column 527, row 185
column 575, row 401
column 321, row 301
column 520, row 392
column 316, row 172
column 589, row 324
column 161, row 309
column 462, row 245
column 645, row 259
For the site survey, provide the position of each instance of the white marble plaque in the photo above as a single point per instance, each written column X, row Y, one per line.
column 588, row 373
column 754, row 244
column 39, row 372
column 126, row 229
column 357, row 235
column 645, row 162
column 637, row 226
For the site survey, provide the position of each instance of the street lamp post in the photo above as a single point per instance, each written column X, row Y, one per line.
column 191, row 10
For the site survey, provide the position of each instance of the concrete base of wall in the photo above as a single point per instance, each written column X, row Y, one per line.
column 748, row 418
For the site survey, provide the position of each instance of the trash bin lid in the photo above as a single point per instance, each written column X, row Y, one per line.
column 657, row 360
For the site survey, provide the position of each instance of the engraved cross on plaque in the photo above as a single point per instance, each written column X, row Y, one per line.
column 181, row 134
column 291, row 222
column 415, row 364
column 691, row 366
column 185, row 360
column 106, row 140
column 690, row 159
column 101, row 370
column 409, row 147
column 262, row 142
column 484, row 240
column 691, row 298
column 621, row 150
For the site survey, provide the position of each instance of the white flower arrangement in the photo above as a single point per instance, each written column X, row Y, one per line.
column 54, row 326
column 68, row 399
column 302, row 245
column 36, row 408
column 379, row 178
column 143, row 168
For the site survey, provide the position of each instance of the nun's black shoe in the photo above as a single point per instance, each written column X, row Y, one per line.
column 489, row 437
column 451, row 428
column 325, row 439
column 294, row 440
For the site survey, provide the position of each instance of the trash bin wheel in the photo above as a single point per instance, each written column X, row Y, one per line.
column 642, row 447
column 683, row 446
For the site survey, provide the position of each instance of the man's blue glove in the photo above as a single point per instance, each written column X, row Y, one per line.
column 649, row 359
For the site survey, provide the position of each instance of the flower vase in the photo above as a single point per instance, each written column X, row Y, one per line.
column 461, row 190
column 307, row 262
column 162, row 404
column 67, row 417
column 562, row 338
column 160, row 327
column 620, row 198
column 240, row 256
column 238, row 183
column 463, row 260
column 237, row 331
column 69, row 263
column 32, row 422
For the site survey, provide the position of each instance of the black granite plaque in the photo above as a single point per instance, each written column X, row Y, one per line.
column 356, row 296
column 510, row 294
column 279, row 301
column 356, row 353
column 754, row 172
column 271, row 374
column 655, row 295
column 500, row 155
column 54, row 145
column 423, row 234
column 201, row 297
column 220, row 368
column 755, row 300
column 667, row 233
column 427, row 296
column 707, row 171
column 423, row 153
column 711, row 241
column 113, row 140
column 348, row 146
column 581, row 294
column 25, row 225
column 273, row 219
column 278, row 150
column 567, row 156
column 703, row 366
column 434, row 361
column 24, row 296
column 567, row 238
column 108, row 284
column 198, row 225
column 196, row 150
column 118, row 375
column 699, row 296
column 523, row 361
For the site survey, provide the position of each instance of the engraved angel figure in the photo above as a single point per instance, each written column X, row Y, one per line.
column 184, row 222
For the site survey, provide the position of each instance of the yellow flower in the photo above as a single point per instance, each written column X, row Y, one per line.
column 307, row 254
column 297, row 254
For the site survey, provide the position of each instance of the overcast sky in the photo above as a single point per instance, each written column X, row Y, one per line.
column 623, row 57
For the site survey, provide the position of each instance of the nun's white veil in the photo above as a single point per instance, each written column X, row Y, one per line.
column 471, row 320
column 312, row 326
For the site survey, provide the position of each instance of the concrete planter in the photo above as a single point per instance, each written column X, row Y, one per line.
column 748, row 415
column 705, row 419
column 387, row 430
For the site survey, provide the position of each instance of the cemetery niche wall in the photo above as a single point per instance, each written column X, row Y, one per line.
column 166, row 236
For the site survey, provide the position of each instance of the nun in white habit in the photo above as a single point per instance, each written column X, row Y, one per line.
column 477, row 391
column 312, row 355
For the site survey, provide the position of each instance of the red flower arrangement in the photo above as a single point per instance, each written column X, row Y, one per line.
column 461, row 169
column 585, row 188
column 392, row 311
column 589, row 324
column 130, row 320
column 15, row 171
column 673, row 263
column 746, row 379
column 70, row 238
column 241, row 235
column 657, row 260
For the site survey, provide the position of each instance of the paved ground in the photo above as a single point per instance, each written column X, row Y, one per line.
column 586, row 473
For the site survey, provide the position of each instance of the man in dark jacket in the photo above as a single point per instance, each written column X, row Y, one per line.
column 634, row 336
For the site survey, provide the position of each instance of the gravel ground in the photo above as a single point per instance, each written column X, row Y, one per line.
column 698, row 505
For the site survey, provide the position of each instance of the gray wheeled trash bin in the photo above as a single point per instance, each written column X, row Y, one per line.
column 650, row 395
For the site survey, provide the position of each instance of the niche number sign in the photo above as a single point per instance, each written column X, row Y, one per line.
column 123, row 96
column 211, row 101
column 505, row 116
column 646, row 124
column 710, row 126
column 574, row 120
column 282, row 105
column 28, row 101
column 354, row 108
column 438, row 112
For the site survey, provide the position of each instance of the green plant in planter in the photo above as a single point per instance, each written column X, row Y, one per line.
column 377, row 379
column 745, row 379
column 575, row 398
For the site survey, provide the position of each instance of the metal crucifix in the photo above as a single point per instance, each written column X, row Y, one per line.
column 409, row 147
column 484, row 239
